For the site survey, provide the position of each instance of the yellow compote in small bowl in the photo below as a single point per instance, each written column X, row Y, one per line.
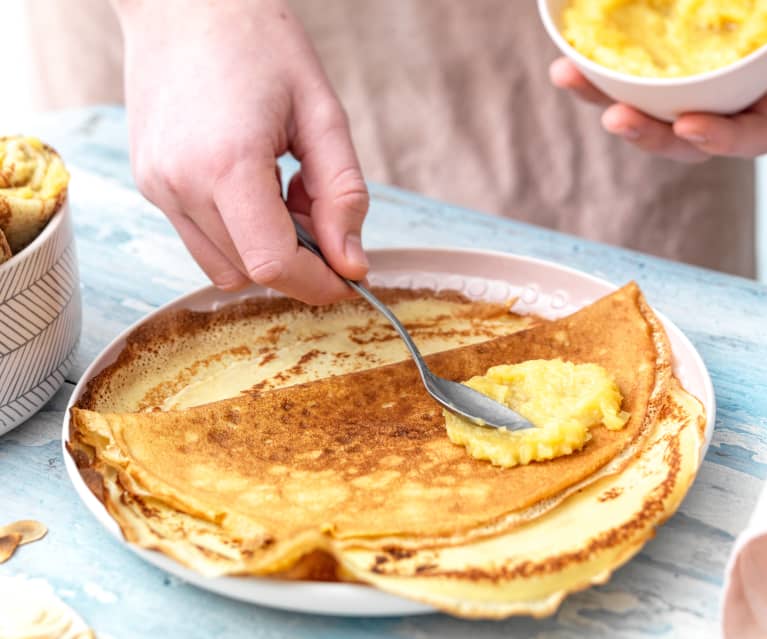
column 666, row 57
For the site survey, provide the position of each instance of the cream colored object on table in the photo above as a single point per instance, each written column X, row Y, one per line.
column 744, row 613
column 725, row 91
column 29, row 609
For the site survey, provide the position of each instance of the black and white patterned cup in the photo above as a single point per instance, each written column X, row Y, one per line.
column 40, row 320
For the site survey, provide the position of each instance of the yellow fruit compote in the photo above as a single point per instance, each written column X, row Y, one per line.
column 563, row 400
column 665, row 38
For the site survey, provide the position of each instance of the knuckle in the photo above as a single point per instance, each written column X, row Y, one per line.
column 171, row 175
column 328, row 114
column 355, row 203
column 158, row 179
column 237, row 157
column 265, row 267
column 350, row 190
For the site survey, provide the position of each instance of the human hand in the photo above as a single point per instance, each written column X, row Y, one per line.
column 693, row 137
column 215, row 93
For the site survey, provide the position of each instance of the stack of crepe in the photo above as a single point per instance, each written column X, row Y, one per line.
column 311, row 474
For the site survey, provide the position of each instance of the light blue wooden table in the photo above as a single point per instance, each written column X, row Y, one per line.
column 131, row 262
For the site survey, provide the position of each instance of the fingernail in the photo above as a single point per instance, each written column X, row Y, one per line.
column 263, row 272
column 353, row 250
column 229, row 281
column 695, row 138
column 629, row 133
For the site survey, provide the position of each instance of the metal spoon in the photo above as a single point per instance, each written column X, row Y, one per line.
column 457, row 398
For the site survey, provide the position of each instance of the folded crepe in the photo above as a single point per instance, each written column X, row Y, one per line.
column 33, row 186
column 531, row 568
column 359, row 467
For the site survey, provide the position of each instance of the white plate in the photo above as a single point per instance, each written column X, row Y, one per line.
column 543, row 288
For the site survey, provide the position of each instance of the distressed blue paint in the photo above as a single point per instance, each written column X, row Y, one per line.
column 131, row 261
column 738, row 458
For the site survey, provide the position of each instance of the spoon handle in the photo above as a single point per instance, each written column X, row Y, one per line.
column 457, row 398
column 307, row 241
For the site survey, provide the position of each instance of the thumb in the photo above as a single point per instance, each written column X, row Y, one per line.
column 332, row 180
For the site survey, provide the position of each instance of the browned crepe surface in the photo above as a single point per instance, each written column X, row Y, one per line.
column 530, row 568
column 185, row 358
column 365, row 454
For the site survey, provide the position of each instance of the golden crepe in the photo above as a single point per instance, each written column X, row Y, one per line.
column 5, row 249
column 359, row 466
column 530, row 569
column 186, row 358
column 33, row 186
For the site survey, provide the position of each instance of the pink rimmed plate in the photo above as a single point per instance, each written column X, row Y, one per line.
column 542, row 288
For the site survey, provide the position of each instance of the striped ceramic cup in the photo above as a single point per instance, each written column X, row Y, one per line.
column 40, row 318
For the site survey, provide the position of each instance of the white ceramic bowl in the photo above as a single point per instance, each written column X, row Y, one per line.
column 40, row 319
column 726, row 90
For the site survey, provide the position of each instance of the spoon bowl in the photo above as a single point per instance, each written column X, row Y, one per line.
column 457, row 398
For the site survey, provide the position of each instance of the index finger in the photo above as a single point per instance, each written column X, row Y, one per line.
column 249, row 199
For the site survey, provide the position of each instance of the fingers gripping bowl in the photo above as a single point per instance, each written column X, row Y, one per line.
column 724, row 90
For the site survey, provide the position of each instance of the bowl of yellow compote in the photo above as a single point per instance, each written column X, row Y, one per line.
column 666, row 57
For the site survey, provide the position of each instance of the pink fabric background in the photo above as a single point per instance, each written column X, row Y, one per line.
column 452, row 99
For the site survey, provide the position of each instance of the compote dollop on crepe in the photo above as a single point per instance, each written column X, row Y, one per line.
column 359, row 465
column 531, row 568
column 563, row 400
column 33, row 185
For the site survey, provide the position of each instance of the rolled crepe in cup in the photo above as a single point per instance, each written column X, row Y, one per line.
column 33, row 186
